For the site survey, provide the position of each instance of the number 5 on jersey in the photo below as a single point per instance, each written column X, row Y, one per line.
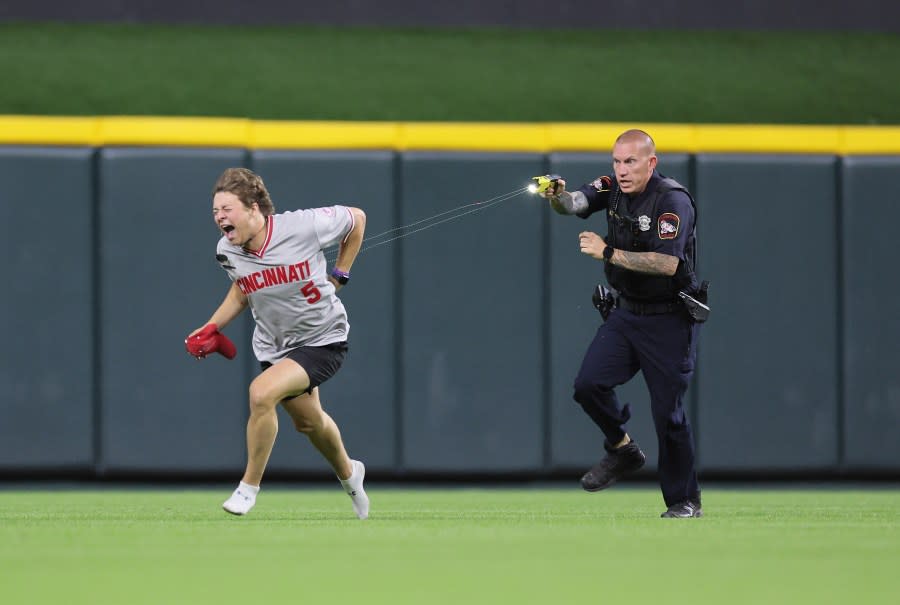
column 311, row 292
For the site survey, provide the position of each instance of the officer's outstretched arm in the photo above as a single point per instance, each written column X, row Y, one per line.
column 562, row 201
column 569, row 203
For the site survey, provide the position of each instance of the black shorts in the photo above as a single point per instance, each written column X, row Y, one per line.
column 320, row 363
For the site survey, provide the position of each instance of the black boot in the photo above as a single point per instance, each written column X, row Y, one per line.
column 616, row 464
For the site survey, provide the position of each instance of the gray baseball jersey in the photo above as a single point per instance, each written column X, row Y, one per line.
column 286, row 281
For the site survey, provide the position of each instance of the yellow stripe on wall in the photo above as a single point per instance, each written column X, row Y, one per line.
column 882, row 140
column 32, row 130
column 442, row 136
column 469, row 136
column 174, row 131
column 768, row 139
column 600, row 136
column 323, row 135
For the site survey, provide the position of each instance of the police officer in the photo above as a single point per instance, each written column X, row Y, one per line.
column 649, row 257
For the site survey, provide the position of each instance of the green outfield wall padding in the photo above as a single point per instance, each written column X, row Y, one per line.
column 163, row 411
column 473, row 291
column 465, row 334
column 768, row 385
column 871, row 312
column 47, row 361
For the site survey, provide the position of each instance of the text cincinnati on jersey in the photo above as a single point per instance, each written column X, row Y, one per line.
column 274, row 276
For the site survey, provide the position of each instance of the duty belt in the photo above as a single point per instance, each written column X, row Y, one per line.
column 648, row 308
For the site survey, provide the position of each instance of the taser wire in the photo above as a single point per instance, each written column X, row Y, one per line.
column 331, row 253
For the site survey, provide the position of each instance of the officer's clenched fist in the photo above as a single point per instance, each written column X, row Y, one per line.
column 591, row 244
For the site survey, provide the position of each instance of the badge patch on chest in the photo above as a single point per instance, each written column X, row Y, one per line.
column 668, row 225
column 644, row 222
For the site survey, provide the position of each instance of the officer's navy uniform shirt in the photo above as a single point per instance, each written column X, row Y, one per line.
column 636, row 226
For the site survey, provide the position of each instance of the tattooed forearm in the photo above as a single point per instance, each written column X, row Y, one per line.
column 569, row 203
column 646, row 262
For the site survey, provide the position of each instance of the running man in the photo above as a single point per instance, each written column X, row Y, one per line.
column 278, row 269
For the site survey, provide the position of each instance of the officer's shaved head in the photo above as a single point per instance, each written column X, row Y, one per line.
column 634, row 159
column 641, row 138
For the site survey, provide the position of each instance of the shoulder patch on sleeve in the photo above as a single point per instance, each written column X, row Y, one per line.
column 602, row 183
column 667, row 225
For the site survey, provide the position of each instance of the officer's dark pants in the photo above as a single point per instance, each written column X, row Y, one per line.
column 664, row 348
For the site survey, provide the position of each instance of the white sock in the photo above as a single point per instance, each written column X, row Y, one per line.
column 242, row 499
column 348, row 482
column 253, row 489
column 353, row 486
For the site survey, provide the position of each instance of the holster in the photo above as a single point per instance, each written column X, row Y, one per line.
column 696, row 305
column 604, row 300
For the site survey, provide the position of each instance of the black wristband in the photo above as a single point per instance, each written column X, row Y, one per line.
column 608, row 252
column 340, row 276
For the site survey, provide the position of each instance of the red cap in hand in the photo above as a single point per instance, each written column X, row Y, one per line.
column 209, row 340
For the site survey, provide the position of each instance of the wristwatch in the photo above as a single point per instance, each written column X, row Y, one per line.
column 608, row 252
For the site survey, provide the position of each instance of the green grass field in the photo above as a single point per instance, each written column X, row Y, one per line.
column 450, row 546
column 305, row 73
